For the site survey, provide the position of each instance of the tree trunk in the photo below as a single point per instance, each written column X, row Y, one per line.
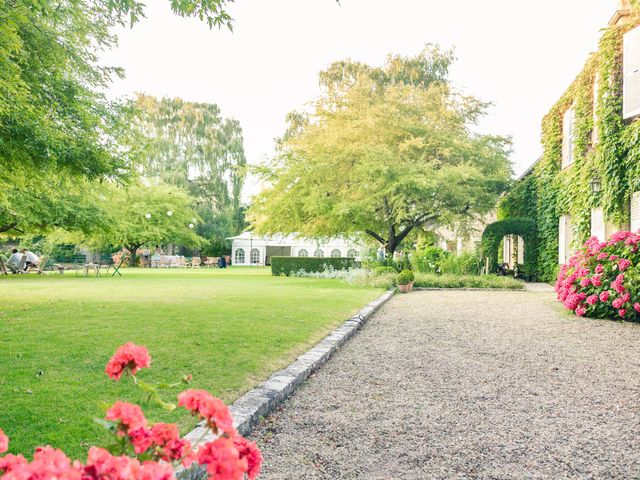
column 133, row 257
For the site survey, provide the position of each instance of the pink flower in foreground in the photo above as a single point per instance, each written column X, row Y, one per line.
column 166, row 437
column 156, row 471
column 10, row 462
column 129, row 415
column 636, row 307
column 599, row 268
column 604, row 296
column 130, row 357
column 204, row 404
column 4, row 442
column 596, row 281
column 102, row 465
column 222, row 460
column 617, row 303
column 250, row 451
column 592, row 299
column 622, row 312
column 141, row 440
column 602, row 256
column 585, row 282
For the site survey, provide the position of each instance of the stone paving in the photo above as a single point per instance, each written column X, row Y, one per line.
column 466, row 385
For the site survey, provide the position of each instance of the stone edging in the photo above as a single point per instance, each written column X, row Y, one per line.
column 267, row 396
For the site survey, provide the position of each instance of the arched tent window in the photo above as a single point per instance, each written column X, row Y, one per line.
column 335, row 253
column 318, row 253
column 239, row 255
column 352, row 253
column 303, row 253
column 254, row 256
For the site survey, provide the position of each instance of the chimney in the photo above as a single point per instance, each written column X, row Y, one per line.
column 622, row 13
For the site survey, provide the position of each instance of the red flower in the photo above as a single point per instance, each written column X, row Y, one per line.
column 623, row 264
column 102, row 465
column 636, row 307
column 129, row 357
column 156, row 471
column 222, row 460
column 250, row 451
column 171, row 447
column 622, row 312
column 10, row 462
column 592, row 299
column 141, row 440
column 129, row 415
column 212, row 409
column 4, row 442
column 604, row 296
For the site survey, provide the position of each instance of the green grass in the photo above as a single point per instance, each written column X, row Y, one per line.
column 426, row 280
column 230, row 329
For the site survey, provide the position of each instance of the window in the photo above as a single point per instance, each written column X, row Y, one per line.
column 352, row 253
column 254, row 257
column 318, row 253
column 567, row 137
column 239, row 258
column 564, row 239
column 631, row 74
column 303, row 253
column 335, row 253
column 597, row 224
column 635, row 212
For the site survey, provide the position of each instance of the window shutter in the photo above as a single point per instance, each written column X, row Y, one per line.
column 562, row 240
column 520, row 250
column 567, row 138
column 635, row 212
column 506, row 249
column 631, row 67
column 597, row 224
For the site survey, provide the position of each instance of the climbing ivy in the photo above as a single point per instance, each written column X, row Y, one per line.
column 523, row 227
column 550, row 191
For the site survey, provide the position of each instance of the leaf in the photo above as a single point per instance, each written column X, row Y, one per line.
column 111, row 427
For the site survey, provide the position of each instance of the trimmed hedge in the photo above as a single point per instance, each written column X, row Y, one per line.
column 286, row 265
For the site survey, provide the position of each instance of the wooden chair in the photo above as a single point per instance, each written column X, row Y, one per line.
column 40, row 265
column 195, row 262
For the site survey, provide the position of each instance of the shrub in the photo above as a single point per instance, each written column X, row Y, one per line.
column 384, row 270
column 466, row 263
column 602, row 279
column 430, row 280
column 140, row 450
column 288, row 265
column 405, row 277
column 428, row 259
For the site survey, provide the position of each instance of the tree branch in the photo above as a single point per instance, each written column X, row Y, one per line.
column 375, row 235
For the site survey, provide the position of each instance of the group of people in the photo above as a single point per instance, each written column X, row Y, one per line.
column 14, row 263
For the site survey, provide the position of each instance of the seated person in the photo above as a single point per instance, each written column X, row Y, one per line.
column 14, row 260
column 32, row 259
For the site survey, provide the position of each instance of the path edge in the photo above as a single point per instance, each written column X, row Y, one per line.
column 270, row 394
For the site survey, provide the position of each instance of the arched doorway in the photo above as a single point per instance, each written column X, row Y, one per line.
column 521, row 235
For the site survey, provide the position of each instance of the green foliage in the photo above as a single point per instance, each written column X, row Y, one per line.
column 523, row 227
column 466, row 263
column 466, row 281
column 385, row 152
column 405, row 277
column 288, row 265
column 382, row 270
column 428, row 259
column 548, row 191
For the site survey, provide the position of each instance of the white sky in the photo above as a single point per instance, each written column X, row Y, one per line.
column 519, row 54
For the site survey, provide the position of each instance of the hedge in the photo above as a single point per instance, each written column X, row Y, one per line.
column 286, row 265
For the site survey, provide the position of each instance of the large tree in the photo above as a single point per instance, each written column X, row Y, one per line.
column 385, row 151
column 192, row 146
column 54, row 119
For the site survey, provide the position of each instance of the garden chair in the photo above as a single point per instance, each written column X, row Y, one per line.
column 165, row 262
column 40, row 266
column 209, row 262
column 3, row 270
column 195, row 262
column 106, row 263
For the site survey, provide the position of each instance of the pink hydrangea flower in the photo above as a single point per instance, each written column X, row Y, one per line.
column 592, row 299
column 622, row 312
column 4, row 442
column 580, row 311
column 602, row 256
column 623, row 264
column 604, row 296
column 636, row 307
column 585, row 282
column 599, row 268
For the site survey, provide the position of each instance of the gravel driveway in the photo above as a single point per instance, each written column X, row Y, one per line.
column 466, row 385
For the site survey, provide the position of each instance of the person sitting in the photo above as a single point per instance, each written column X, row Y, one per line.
column 13, row 263
column 32, row 259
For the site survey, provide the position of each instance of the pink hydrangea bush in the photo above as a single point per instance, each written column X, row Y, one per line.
column 602, row 279
column 141, row 450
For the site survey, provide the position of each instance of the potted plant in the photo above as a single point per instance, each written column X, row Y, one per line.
column 405, row 281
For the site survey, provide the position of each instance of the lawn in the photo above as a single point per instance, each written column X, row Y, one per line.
column 228, row 328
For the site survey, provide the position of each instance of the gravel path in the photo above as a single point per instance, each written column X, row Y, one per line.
column 466, row 385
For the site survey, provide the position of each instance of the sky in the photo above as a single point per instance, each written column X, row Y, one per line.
column 519, row 55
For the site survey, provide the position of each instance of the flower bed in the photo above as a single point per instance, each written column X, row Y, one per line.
column 602, row 280
column 139, row 450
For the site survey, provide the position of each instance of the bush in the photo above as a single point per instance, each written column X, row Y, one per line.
column 428, row 259
column 466, row 263
column 384, row 270
column 288, row 265
column 602, row 280
column 405, row 277
column 430, row 280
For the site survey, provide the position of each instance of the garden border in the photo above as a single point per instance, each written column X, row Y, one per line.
column 268, row 395
column 471, row 289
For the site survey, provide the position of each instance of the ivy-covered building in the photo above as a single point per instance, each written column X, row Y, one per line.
column 587, row 182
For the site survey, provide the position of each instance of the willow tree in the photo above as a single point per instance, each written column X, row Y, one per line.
column 385, row 151
column 192, row 146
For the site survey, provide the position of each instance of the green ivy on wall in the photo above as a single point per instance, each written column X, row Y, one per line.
column 550, row 191
column 496, row 231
